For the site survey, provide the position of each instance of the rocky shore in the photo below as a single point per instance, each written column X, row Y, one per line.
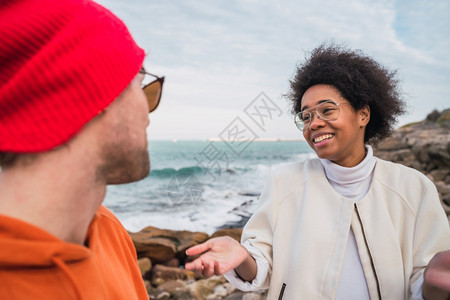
column 161, row 257
column 424, row 146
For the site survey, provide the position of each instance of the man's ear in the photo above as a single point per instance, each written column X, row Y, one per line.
column 364, row 115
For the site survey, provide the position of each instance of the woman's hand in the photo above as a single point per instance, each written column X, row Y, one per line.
column 437, row 277
column 220, row 255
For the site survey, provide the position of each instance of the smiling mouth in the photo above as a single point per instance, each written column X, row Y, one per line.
column 323, row 138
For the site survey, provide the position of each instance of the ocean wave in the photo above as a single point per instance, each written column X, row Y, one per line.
column 170, row 172
column 228, row 191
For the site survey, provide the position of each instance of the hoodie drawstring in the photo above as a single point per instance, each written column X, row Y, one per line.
column 59, row 263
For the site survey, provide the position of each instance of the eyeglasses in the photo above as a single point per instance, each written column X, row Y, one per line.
column 152, row 90
column 327, row 111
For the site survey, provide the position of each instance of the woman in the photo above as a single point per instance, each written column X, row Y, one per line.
column 346, row 225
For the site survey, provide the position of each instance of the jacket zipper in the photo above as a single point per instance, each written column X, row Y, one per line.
column 368, row 250
column 280, row 296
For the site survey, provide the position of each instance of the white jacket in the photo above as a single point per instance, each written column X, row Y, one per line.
column 302, row 226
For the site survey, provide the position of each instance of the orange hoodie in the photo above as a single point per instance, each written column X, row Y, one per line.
column 36, row 265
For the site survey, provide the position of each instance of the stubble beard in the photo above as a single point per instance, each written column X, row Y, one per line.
column 123, row 166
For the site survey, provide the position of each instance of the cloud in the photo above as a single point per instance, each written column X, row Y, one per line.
column 218, row 55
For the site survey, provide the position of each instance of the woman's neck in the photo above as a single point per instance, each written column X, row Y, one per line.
column 351, row 182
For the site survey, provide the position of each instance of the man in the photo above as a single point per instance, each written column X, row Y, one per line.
column 73, row 119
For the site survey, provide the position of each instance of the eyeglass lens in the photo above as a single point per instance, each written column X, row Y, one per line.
column 327, row 111
column 153, row 93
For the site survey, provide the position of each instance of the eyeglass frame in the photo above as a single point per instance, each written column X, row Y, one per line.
column 158, row 79
column 314, row 109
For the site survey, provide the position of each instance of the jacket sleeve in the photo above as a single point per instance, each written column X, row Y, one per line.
column 431, row 235
column 259, row 282
column 257, row 235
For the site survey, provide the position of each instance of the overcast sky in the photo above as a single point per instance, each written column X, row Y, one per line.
column 218, row 56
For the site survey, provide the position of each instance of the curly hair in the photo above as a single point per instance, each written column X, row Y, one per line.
column 359, row 79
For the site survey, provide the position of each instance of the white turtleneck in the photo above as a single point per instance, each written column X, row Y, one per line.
column 352, row 183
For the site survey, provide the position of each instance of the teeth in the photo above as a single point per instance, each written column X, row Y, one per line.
column 322, row 138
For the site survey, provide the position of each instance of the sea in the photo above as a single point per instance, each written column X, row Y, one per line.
column 201, row 185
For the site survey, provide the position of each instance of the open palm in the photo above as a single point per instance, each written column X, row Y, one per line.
column 220, row 255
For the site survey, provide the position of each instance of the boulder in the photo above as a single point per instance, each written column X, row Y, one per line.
column 254, row 296
column 174, row 262
column 162, row 245
column 172, row 286
column 184, row 294
column 148, row 286
column 145, row 265
column 442, row 187
column 234, row 296
column 158, row 295
column 446, row 204
column 161, row 274
column 222, row 291
column 157, row 249
column 235, row 233
column 203, row 288
column 246, row 296
column 439, row 175
column 392, row 144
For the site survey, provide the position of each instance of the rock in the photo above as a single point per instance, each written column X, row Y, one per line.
column 424, row 146
column 391, row 144
column 223, row 290
column 184, row 294
column 174, row 262
column 230, row 171
column 201, row 289
column 431, row 145
column 161, row 245
column 405, row 156
column 438, row 175
column 172, row 286
column 446, row 203
column 250, row 194
column 235, row 296
column 235, row 233
column 158, row 295
column 174, row 289
column 253, row 296
column 157, row 249
column 444, row 119
column 161, row 274
column 442, row 187
column 187, row 239
column 144, row 265
column 148, row 285
column 433, row 116
column 420, row 152
column 247, row 296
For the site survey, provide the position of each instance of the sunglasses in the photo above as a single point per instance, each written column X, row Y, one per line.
column 152, row 90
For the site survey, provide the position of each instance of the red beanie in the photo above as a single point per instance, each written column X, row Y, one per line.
column 62, row 62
